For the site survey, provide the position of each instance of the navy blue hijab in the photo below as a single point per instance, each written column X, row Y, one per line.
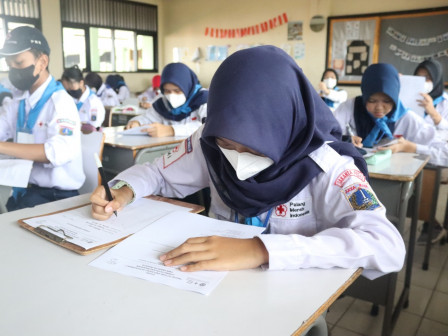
column 378, row 78
column 435, row 70
column 261, row 99
column 182, row 76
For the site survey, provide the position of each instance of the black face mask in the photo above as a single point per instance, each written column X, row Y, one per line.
column 23, row 79
column 75, row 93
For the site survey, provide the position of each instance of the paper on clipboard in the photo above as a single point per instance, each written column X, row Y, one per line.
column 411, row 88
column 79, row 228
column 135, row 131
column 15, row 172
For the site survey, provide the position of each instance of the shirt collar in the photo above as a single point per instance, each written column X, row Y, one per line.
column 36, row 95
column 84, row 96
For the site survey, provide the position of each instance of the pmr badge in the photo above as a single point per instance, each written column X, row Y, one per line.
column 361, row 197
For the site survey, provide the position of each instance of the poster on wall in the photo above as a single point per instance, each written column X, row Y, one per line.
column 295, row 30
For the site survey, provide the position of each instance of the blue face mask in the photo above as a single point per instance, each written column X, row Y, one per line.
column 23, row 79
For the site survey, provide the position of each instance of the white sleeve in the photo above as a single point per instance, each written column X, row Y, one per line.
column 442, row 108
column 95, row 103
column 338, row 96
column 8, row 118
column 63, row 142
column 178, row 173
column 347, row 237
column 191, row 126
column 344, row 115
column 150, row 116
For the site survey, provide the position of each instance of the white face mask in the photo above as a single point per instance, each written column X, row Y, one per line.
column 246, row 164
column 330, row 82
column 176, row 100
column 428, row 87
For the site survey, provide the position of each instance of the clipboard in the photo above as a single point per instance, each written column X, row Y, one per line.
column 48, row 234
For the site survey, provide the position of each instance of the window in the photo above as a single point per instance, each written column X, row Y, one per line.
column 109, row 35
column 16, row 13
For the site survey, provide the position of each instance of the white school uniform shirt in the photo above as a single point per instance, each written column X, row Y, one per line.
column 337, row 96
column 123, row 93
column 58, row 128
column 442, row 108
column 317, row 228
column 149, row 94
column 184, row 127
column 108, row 96
column 92, row 110
column 411, row 126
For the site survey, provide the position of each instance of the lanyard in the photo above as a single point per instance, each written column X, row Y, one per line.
column 28, row 124
column 255, row 221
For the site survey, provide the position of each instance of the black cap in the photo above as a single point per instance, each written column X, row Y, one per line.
column 22, row 39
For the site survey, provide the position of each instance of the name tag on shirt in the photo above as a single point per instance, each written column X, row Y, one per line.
column 25, row 138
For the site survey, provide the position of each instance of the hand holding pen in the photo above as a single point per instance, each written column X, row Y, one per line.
column 356, row 140
column 103, row 180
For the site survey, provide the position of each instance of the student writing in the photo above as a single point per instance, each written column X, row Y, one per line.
column 278, row 163
column 378, row 113
column 182, row 107
column 43, row 123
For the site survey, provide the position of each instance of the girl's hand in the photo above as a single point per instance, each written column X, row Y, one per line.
column 217, row 253
column 357, row 141
column 158, row 130
column 102, row 209
column 428, row 104
column 403, row 145
column 132, row 124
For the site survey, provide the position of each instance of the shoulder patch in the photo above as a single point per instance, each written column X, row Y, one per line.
column 340, row 180
column 177, row 152
column 65, row 131
column 361, row 197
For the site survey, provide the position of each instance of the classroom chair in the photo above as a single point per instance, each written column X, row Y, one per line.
column 91, row 143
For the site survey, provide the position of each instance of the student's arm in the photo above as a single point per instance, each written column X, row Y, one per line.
column 344, row 115
column 347, row 236
column 33, row 152
column 191, row 126
column 96, row 104
column 179, row 173
column 336, row 96
column 150, row 116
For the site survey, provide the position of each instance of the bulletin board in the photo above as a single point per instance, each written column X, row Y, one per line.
column 403, row 39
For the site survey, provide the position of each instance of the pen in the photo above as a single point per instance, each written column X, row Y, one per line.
column 349, row 130
column 103, row 180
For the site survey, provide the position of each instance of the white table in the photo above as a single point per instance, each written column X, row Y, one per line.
column 48, row 290
column 394, row 182
column 122, row 151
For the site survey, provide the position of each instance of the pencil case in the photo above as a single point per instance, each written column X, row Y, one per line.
column 379, row 157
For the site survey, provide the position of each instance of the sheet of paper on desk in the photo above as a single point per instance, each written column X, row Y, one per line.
column 410, row 89
column 15, row 172
column 135, row 131
column 88, row 232
column 138, row 255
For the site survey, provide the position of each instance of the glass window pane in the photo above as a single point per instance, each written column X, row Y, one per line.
column 3, row 66
column 124, row 51
column 74, row 44
column 14, row 25
column 101, row 50
column 145, row 52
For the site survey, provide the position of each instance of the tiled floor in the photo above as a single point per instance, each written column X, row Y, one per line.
column 427, row 314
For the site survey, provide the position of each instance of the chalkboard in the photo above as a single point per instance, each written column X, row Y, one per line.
column 406, row 41
column 403, row 39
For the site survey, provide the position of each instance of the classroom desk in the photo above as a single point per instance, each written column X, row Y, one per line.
column 394, row 182
column 120, row 151
column 49, row 290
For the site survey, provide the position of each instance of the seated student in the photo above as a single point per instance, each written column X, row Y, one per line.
column 379, row 114
column 328, row 90
column 151, row 93
column 434, row 99
column 116, row 82
column 182, row 107
column 107, row 95
column 43, row 123
column 90, row 107
column 280, row 164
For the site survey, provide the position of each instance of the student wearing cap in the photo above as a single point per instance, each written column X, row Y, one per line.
column 43, row 123
column 331, row 94
column 182, row 107
column 151, row 93
column 90, row 107
column 280, row 164
column 434, row 100
column 107, row 95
